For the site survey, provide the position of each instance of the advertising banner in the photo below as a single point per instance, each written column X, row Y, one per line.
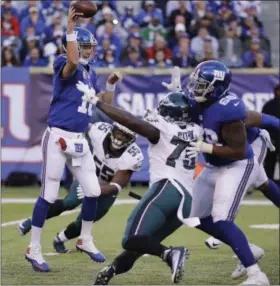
column 26, row 99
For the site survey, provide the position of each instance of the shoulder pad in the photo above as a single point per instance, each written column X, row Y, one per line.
column 232, row 108
column 99, row 128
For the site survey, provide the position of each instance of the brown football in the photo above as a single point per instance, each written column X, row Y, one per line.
column 85, row 9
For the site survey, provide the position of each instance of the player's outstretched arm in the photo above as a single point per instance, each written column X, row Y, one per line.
column 120, row 179
column 261, row 120
column 108, row 95
column 133, row 123
column 72, row 47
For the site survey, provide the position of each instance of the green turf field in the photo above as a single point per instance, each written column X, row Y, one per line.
column 203, row 266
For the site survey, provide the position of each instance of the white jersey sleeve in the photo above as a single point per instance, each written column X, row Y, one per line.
column 155, row 119
column 132, row 159
column 98, row 131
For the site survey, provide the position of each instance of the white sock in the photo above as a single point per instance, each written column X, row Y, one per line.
column 35, row 235
column 253, row 269
column 62, row 236
column 86, row 228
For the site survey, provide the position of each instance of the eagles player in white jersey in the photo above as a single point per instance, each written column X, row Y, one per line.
column 116, row 157
column 167, row 204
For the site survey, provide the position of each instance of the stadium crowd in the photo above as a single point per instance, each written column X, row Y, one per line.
column 155, row 34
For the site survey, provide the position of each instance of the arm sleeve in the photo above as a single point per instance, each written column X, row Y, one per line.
column 59, row 64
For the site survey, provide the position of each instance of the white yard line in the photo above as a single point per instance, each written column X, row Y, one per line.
column 265, row 226
column 117, row 202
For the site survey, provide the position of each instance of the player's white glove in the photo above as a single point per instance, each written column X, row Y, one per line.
column 199, row 146
column 89, row 93
column 175, row 84
column 265, row 135
column 80, row 192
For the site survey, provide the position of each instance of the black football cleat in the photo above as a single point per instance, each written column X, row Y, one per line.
column 105, row 275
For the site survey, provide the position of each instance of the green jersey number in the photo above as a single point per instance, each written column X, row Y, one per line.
column 188, row 163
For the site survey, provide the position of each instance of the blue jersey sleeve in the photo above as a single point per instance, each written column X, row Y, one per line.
column 231, row 109
column 59, row 64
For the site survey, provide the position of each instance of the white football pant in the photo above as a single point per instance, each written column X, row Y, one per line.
column 54, row 161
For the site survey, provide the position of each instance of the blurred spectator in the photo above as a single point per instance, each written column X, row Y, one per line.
column 199, row 9
column 254, row 32
column 106, row 14
column 183, row 38
column 135, row 40
column 34, row 59
column 230, row 48
column 183, row 58
column 174, row 37
column 106, row 3
column 134, row 28
column 10, row 25
column 241, row 7
column 225, row 15
column 114, row 39
column 149, row 11
column 247, row 24
column 54, row 30
column 208, row 52
column 56, row 6
column 128, row 18
column 29, row 43
column 104, row 45
column 197, row 44
column 208, row 23
column 272, row 107
column 154, row 28
column 32, row 20
column 259, row 61
column 250, row 56
column 87, row 24
column 182, row 10
column 30, row 4
column 9, row 58
column 160, row 60
column 7, row 5
column 174, row 5
column 133, row 59
column 159, row 45
column 108, row 59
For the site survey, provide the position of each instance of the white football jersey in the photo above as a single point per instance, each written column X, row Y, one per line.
column 107, row 166
column 168, row 158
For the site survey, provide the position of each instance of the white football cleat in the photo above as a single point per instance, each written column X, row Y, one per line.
column 259, row 278
column 85, row 244
column 213, row 243
column 240, row 269
column 34, row 255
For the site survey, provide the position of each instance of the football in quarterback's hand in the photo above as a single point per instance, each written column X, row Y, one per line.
column 84, row 9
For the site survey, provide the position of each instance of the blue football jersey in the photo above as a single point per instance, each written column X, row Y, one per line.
column 227, row 109
column 67, row 110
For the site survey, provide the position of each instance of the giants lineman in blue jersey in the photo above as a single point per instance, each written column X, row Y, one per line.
column 64, row 142
column 231, row 166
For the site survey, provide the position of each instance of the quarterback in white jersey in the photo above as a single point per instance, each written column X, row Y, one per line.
column 167, row 204
column 117, row 157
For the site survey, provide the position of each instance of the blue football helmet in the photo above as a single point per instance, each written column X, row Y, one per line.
column 209, row 81
column 174, row 107
column 87, row 44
